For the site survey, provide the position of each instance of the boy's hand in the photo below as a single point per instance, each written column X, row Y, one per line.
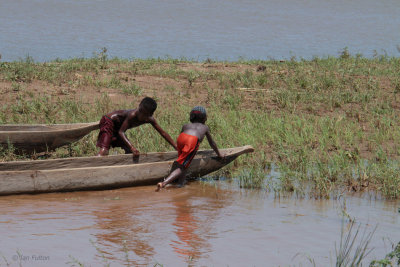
column 135, row 152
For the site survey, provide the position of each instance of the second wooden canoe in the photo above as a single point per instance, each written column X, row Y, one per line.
column 29, row 138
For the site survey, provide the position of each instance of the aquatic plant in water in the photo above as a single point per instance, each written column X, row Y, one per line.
column 352, row 250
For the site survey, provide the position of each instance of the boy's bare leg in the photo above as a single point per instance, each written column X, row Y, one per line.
column 103, row 152
column 178, row 172
column 182, row 178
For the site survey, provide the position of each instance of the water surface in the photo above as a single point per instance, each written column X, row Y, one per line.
column 200, row 224
column 224, row 30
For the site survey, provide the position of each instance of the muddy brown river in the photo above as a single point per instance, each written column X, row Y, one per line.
column 202, row 224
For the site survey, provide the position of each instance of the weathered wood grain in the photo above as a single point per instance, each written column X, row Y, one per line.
column 103, row 172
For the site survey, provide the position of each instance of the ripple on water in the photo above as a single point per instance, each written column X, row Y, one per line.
column 200, row 223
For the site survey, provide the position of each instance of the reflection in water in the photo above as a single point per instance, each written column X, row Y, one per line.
column 199, row 224
column 121, row 227
column 129, row 224
column 186, row 224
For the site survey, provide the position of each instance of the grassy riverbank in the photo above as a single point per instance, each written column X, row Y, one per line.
column 324, row 124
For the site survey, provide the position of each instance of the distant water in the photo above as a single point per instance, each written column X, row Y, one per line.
column 222, row 30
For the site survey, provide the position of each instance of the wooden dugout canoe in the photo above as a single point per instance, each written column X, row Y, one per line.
column 85, row 173
column 30, row 138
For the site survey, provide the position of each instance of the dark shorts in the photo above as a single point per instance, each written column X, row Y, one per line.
column 187, row 149
column 108, row 135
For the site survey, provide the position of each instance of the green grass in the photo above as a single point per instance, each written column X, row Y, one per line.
column 324, row 123
column 390, row 260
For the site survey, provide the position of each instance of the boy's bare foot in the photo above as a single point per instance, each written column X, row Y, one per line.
column 103, row 152
column 159, row 186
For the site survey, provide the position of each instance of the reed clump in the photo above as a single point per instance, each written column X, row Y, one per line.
column 323, row 123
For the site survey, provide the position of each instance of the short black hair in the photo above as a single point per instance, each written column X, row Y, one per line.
column 149, row 104
column 197, row 117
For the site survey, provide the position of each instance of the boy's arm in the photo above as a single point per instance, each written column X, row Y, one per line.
column 122, row 130
column 213, row 144
column 164, row 134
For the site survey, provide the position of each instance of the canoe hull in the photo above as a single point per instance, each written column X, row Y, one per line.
column 39, row 138
column 102, row 177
